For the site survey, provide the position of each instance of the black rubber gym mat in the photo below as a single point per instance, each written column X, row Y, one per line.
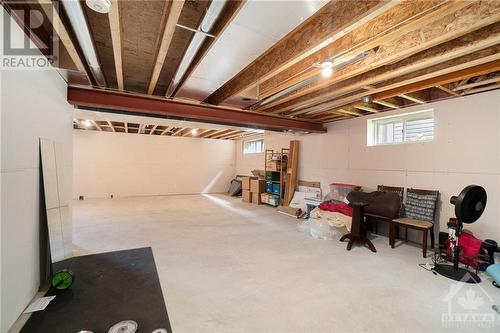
column 108, row 288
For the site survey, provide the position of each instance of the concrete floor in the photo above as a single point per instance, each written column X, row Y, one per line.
column 227, row 266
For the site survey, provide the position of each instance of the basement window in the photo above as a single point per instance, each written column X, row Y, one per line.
column 410, row 127
column 253, row 146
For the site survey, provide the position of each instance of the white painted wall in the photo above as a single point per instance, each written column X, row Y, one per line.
column 466, row 150
column 123, row 164
column 33, row 105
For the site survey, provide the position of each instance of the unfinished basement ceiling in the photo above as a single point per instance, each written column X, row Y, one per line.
column 91, row 120
column 257, row 27
column 267, row 57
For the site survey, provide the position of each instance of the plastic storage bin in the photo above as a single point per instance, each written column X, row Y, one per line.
column 276, row 188
column 272, row 176
column 340, row 191
column 269, row 187
column 274, row 200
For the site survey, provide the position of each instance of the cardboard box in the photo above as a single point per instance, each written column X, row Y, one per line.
column 256, row 198
column 257, row 186
column 261, row 174
column 246, row 196
column 273, row 165
column 245, row 183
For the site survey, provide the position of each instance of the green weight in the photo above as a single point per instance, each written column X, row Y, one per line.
column 63, row 280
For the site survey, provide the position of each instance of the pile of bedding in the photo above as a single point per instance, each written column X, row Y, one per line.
column 324, row 220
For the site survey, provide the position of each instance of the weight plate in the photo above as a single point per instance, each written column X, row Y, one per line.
column 126, row 326
column 160, row 330
column 63, row 280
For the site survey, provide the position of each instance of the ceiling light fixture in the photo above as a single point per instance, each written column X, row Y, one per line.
column 367, row 99
column 327, row 69
column 86, row 123
column 194, row 131
column 100, row 6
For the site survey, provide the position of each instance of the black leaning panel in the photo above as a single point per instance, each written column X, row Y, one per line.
column 109, row 287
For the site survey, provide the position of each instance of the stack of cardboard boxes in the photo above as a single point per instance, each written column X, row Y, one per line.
column 252, row 188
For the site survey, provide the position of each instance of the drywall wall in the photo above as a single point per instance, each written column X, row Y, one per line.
column 33, row 105
column 122, row 164
column 466, row 150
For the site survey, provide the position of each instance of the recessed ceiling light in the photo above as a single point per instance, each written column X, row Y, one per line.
column 100, row 6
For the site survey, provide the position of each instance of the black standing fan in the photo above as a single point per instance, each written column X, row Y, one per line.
column 469, row 205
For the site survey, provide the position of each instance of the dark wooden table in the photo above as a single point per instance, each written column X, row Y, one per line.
column 358, row 227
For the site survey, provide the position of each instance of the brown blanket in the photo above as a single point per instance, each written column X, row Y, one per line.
column 386, row 204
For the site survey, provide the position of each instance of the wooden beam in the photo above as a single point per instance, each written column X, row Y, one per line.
column 188, row 133
column 99, row 128
column 110, row 124
column 63, row 34
column 150, row 105
column 229, row 12
column 177, row 131
column 478, row 83
column 387, row 104
column 328, row 116
column 412, row 98
column 475, row 16
column 447, row 90
column 126, row 127
column 237, row 135
column 217, row 133
column 206, row 134
column 445, row 56
column 141, row 127
column 366, row 108
column 392, row 90
column 316, row 32
column 168, row 32
column 485, row 68
column 227, row 132
column 481, row 89
column 153, row 129
column 167, row 128
column 116, row 40
column 348, row 112
column 201, row 132
column 394, row 22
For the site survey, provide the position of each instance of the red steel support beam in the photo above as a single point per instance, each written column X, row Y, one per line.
column 146, row 104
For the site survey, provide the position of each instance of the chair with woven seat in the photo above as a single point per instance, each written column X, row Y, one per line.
column 419, row 214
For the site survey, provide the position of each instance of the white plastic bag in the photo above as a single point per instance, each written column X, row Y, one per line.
column 317, row 228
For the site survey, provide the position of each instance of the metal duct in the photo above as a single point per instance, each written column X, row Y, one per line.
column 79, row 24
column 209, row 19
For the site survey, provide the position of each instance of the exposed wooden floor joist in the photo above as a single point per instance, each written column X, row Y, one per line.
column 306, row 39
column 453, row 25
column 160, row 130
